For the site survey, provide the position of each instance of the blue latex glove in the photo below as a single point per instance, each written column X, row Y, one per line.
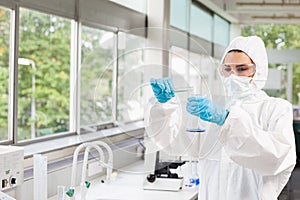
column 206, row 110
column 163, row 89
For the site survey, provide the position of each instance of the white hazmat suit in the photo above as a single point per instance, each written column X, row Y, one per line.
column 254, row 153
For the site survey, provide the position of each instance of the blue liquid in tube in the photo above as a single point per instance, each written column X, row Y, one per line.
column 195, row 130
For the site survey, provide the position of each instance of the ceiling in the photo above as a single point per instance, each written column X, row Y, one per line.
column 261, row 11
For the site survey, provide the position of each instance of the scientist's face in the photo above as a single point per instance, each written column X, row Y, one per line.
column 237, row 63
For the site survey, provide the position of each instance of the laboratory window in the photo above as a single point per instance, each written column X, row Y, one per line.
column 131, row 70
column 221, row 31
column 43, row 74
column 201, row 23
column 179, row 66
column 96, row 76
column 179, row 14
column 193, row 72
column 5, row 33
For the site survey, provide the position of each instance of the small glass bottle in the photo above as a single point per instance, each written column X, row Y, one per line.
column 194, row 180
column 60, row 192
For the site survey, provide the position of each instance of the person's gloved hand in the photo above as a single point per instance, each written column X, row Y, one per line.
column 163, row 89
column 206, row 110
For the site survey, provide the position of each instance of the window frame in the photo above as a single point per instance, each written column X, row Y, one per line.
column 10, row 137
column 112, row 123
column 74, row 70
column 211, row 46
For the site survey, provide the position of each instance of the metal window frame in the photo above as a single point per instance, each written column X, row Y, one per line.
column 13, row 76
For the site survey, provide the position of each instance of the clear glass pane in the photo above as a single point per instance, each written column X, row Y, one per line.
column 277, row 81
column 207, row 67
column 178, row 14
column 96, row 76
column 138, row 5
column 221, row 31
column 279, row 36
column 130, row 77
column 186, row 73
column 43, row 74
column 179, row 66
column 201, row 23
column 4, row 70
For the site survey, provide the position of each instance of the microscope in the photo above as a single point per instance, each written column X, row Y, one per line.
column 161, row 169
column 161, row 176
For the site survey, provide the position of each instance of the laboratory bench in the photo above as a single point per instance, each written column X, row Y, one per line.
column 128, row 185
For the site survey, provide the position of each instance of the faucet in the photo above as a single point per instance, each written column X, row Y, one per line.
column 109, row 165
column 84, row 185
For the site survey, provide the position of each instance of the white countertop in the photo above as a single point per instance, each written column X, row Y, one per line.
column 128, row 185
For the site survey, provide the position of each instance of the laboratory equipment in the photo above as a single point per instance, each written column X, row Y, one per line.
column 194, row 179
column 166, row 141
column 109, row 165
column 161, row 177
column 194, row 124
column 84, row 184
column 60, row 192
column 11, row 166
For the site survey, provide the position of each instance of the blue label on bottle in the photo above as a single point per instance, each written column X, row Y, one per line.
column 194, row 181
column 197, row 181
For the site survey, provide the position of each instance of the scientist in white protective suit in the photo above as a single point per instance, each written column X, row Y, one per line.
column 254, row 150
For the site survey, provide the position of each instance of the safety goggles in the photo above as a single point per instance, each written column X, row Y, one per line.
column 239, row 69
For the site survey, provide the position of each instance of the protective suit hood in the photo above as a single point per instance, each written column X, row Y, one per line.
column 254, row 47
